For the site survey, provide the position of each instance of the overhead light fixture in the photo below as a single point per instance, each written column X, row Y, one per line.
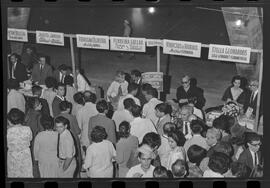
column 238, row 22
column 151, row 10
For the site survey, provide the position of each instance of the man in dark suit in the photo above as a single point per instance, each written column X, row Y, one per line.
column 17, row 69
column 37, row 91
column 136, row 77
column 41, row 71
column 251, row 156
column 251, row 102
column 60, row 93
column 60, row 73
column 187, row 92
column 101, row 120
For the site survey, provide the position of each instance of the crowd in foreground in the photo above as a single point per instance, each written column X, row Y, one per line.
column 65, row 132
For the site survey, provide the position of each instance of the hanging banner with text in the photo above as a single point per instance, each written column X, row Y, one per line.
column 153, row 78
column 183, row 48
column 93, row 41
column 52, row 38
column 154, row 42
column 17, row 35
column 229, row 53
column 127, row 44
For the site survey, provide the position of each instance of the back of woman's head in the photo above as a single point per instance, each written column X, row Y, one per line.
column 33, row 102
column 47, row 122
column 168, row 127
column 15, row 116
column 128, row 103
column 124, row 129
column 178, row 137
column 79, row 98
column 196, row 154
column 69, row 80
column 50, row 82
column 136, row 110
column 98, row 134
column 151, row 139
column 219, row 162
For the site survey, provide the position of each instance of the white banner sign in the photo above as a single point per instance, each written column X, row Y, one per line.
column 93, row 41
column 127, row 44
column 17, row 35
column 52, row 38
column 229, row 53
column 183, row 48
column 154, row 42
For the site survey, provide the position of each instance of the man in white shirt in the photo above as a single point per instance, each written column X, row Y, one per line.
column 82, row 84
column 132, row 91
column 84, row 114
column 140, row 126
column 149, row 108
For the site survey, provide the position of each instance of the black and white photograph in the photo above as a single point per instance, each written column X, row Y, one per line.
column 134, row 92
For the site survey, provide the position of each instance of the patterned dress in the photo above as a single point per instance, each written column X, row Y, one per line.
column 19, row 162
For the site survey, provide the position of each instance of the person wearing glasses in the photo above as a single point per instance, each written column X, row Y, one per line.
column 251, row 102
column 187, row 92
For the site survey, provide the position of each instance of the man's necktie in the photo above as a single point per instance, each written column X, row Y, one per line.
column 58, row 143
column 41, row 68
column 63, row 78
column 256, row 159
column 251, row 97
column 186, row 128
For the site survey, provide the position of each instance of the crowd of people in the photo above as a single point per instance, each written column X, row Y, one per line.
column 65, row 131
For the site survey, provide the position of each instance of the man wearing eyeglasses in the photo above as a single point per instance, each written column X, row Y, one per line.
column 187, row 92
column 251, row 103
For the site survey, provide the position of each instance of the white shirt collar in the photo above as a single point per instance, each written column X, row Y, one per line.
column 62, row 98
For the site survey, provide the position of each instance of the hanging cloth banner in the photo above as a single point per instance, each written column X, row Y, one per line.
column 154, row 42
column 93, row 41
column 127, row 44
column 183, row 48
column 229, row 53
column 153, row 78
column 17, row 35
column 52, row 38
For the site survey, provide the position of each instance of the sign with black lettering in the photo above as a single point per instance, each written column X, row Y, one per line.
column 127, row 44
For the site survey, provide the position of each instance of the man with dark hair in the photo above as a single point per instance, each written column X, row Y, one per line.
column 101, row 120
column 60, row 93
column 136, row 77
column 60, row 73
column 37, row 91
column 179, row 169
column 132, row 91
column 17, row 69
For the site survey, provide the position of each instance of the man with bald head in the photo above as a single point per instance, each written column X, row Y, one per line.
column 188, row 92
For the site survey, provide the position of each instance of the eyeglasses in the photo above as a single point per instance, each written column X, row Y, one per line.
column 255, row 145
column 184, row 82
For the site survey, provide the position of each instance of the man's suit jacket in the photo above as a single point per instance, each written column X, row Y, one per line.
column 108, row 124
column 140, row 95
column 45, row 107
column 55, row 106
column 252, row 103
column 20, row 72
column 246, row 158
column 40, row 76
column 161, row 123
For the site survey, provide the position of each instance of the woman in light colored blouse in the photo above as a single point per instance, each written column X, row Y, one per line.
column 49, row 93
column 125, row 148
column 99, row 155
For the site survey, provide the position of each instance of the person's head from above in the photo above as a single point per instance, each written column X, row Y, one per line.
column 34, row 103
column 160, row 172
column 14, row 57
column 65, row 106
column 179, row 168
column 196, row 127
column 36, row 90
column 61, row 124
column 42, row 59
column 153, row 140
column 185, row 112
column 98, row 134
column 136, row 111
column 50, row 82
column 15, row 116
column 176, row 139
column 253, row 141
column 13, row 84
column 128, row 103
column 102, row 107
column 163, row 109
column 145, row 156
column 253, row 85
column 124, row 129
column 185, row 82
column 79, row 98
column 168, row 127
column 145, row 87
column 236, row 81
column 240, row 170
column 120, row 76
column 219, row 162
column 89, row 97
column 63, row 69
column 135, row 75
column 213, row 136
column 196, row 154
column 47, row 122
column 133, row 88
column 150, row 93
column 69, row 80
column 224, row 147
column 222, row 123
column 61, row 89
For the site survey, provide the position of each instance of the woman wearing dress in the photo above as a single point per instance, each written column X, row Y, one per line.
column 45, row 149
column 235, row 92
column 19, row 161
column 125, row 148
column 49, row 93
column 99, row 155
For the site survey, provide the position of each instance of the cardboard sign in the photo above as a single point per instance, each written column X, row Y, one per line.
column 229, row 53
column 127, row 44
column 17, row 35
column 153, row 78
column 183, row 48
column 154, row 42
column 93, row 41
column 52, row 38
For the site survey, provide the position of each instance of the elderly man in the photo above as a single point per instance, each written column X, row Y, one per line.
column 188, row 92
